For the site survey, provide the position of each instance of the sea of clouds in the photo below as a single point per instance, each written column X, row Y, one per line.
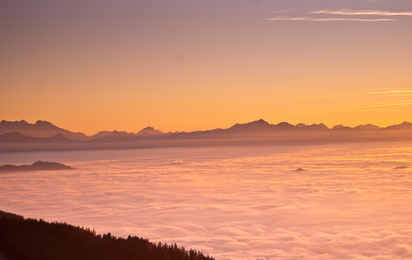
column 231, row 203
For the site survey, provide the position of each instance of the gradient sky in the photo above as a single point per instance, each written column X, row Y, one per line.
column 186, row 65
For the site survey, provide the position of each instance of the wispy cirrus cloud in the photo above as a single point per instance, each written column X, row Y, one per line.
column 393, row 92
column 349, row 15
column 372, row 105
column 362, row 12
column 353, row 107
column 314, row 19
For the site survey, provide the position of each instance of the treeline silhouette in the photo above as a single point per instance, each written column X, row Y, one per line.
column 22, row 239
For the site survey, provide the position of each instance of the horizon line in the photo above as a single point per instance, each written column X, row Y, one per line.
column 261, row 119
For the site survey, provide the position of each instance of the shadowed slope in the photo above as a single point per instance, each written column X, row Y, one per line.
column 22, row 239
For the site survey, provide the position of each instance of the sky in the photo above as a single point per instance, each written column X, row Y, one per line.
column 186, row 65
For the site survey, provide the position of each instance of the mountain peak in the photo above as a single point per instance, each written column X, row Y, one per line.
column 401, row 127
column 149, row 131
column 323, row 125
column 148, row 128
column 43, row 123
column 257, row 123
column 21, row 122
column 284, row 124
column 301, row 125
column 260, row 122
column 338, row 127
column 368, row 127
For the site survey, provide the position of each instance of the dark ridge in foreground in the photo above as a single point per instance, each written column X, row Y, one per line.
column 37, row 166
column 22, row 239
column 10, row 215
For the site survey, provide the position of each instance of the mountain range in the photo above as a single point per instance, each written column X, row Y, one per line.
column 44, row 129
column 263, row 129
column 40, row 129
column 15, row 135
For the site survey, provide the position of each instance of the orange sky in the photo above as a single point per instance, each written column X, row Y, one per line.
column 195, row 65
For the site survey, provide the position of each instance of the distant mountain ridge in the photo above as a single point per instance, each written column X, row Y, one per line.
column 44, row 129
column 149, row 131
column 112, row 135
column 40, row 129
column 263, row 128
column 16, row 137
column 22, row 136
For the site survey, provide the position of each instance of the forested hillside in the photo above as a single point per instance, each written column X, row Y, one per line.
column 22, row 239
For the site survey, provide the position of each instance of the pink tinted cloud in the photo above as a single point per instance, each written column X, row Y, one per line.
column 338, row 15
column 242, row 203
column 314, row 19
column 362, row 12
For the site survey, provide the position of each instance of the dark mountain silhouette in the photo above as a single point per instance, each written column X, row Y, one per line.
column 255, row 126
column 10, row 215
column 41, row 129
column 15, row 137
column 259, row 128
column 405, row 126
column 99, row 135
column 285, row 127
column 262, row 126
column 58, row 138
column 37, row 166
column 368, row 127
column 116, row 134
column 238, row 130
column 254, row 133
column 338, row 127
column 149, row 131
column 285, row 133
column 113, row 135
column 313, row 127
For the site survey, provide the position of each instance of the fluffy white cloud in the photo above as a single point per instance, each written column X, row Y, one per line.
column 232, row 203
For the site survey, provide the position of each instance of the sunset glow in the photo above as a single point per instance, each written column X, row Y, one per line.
column 185, row 66
column 228, row 129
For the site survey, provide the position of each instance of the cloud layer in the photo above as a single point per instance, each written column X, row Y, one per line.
column 243, row 203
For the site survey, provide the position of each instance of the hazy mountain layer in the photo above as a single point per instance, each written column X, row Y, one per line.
column 258, row 133
column 41, row 129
